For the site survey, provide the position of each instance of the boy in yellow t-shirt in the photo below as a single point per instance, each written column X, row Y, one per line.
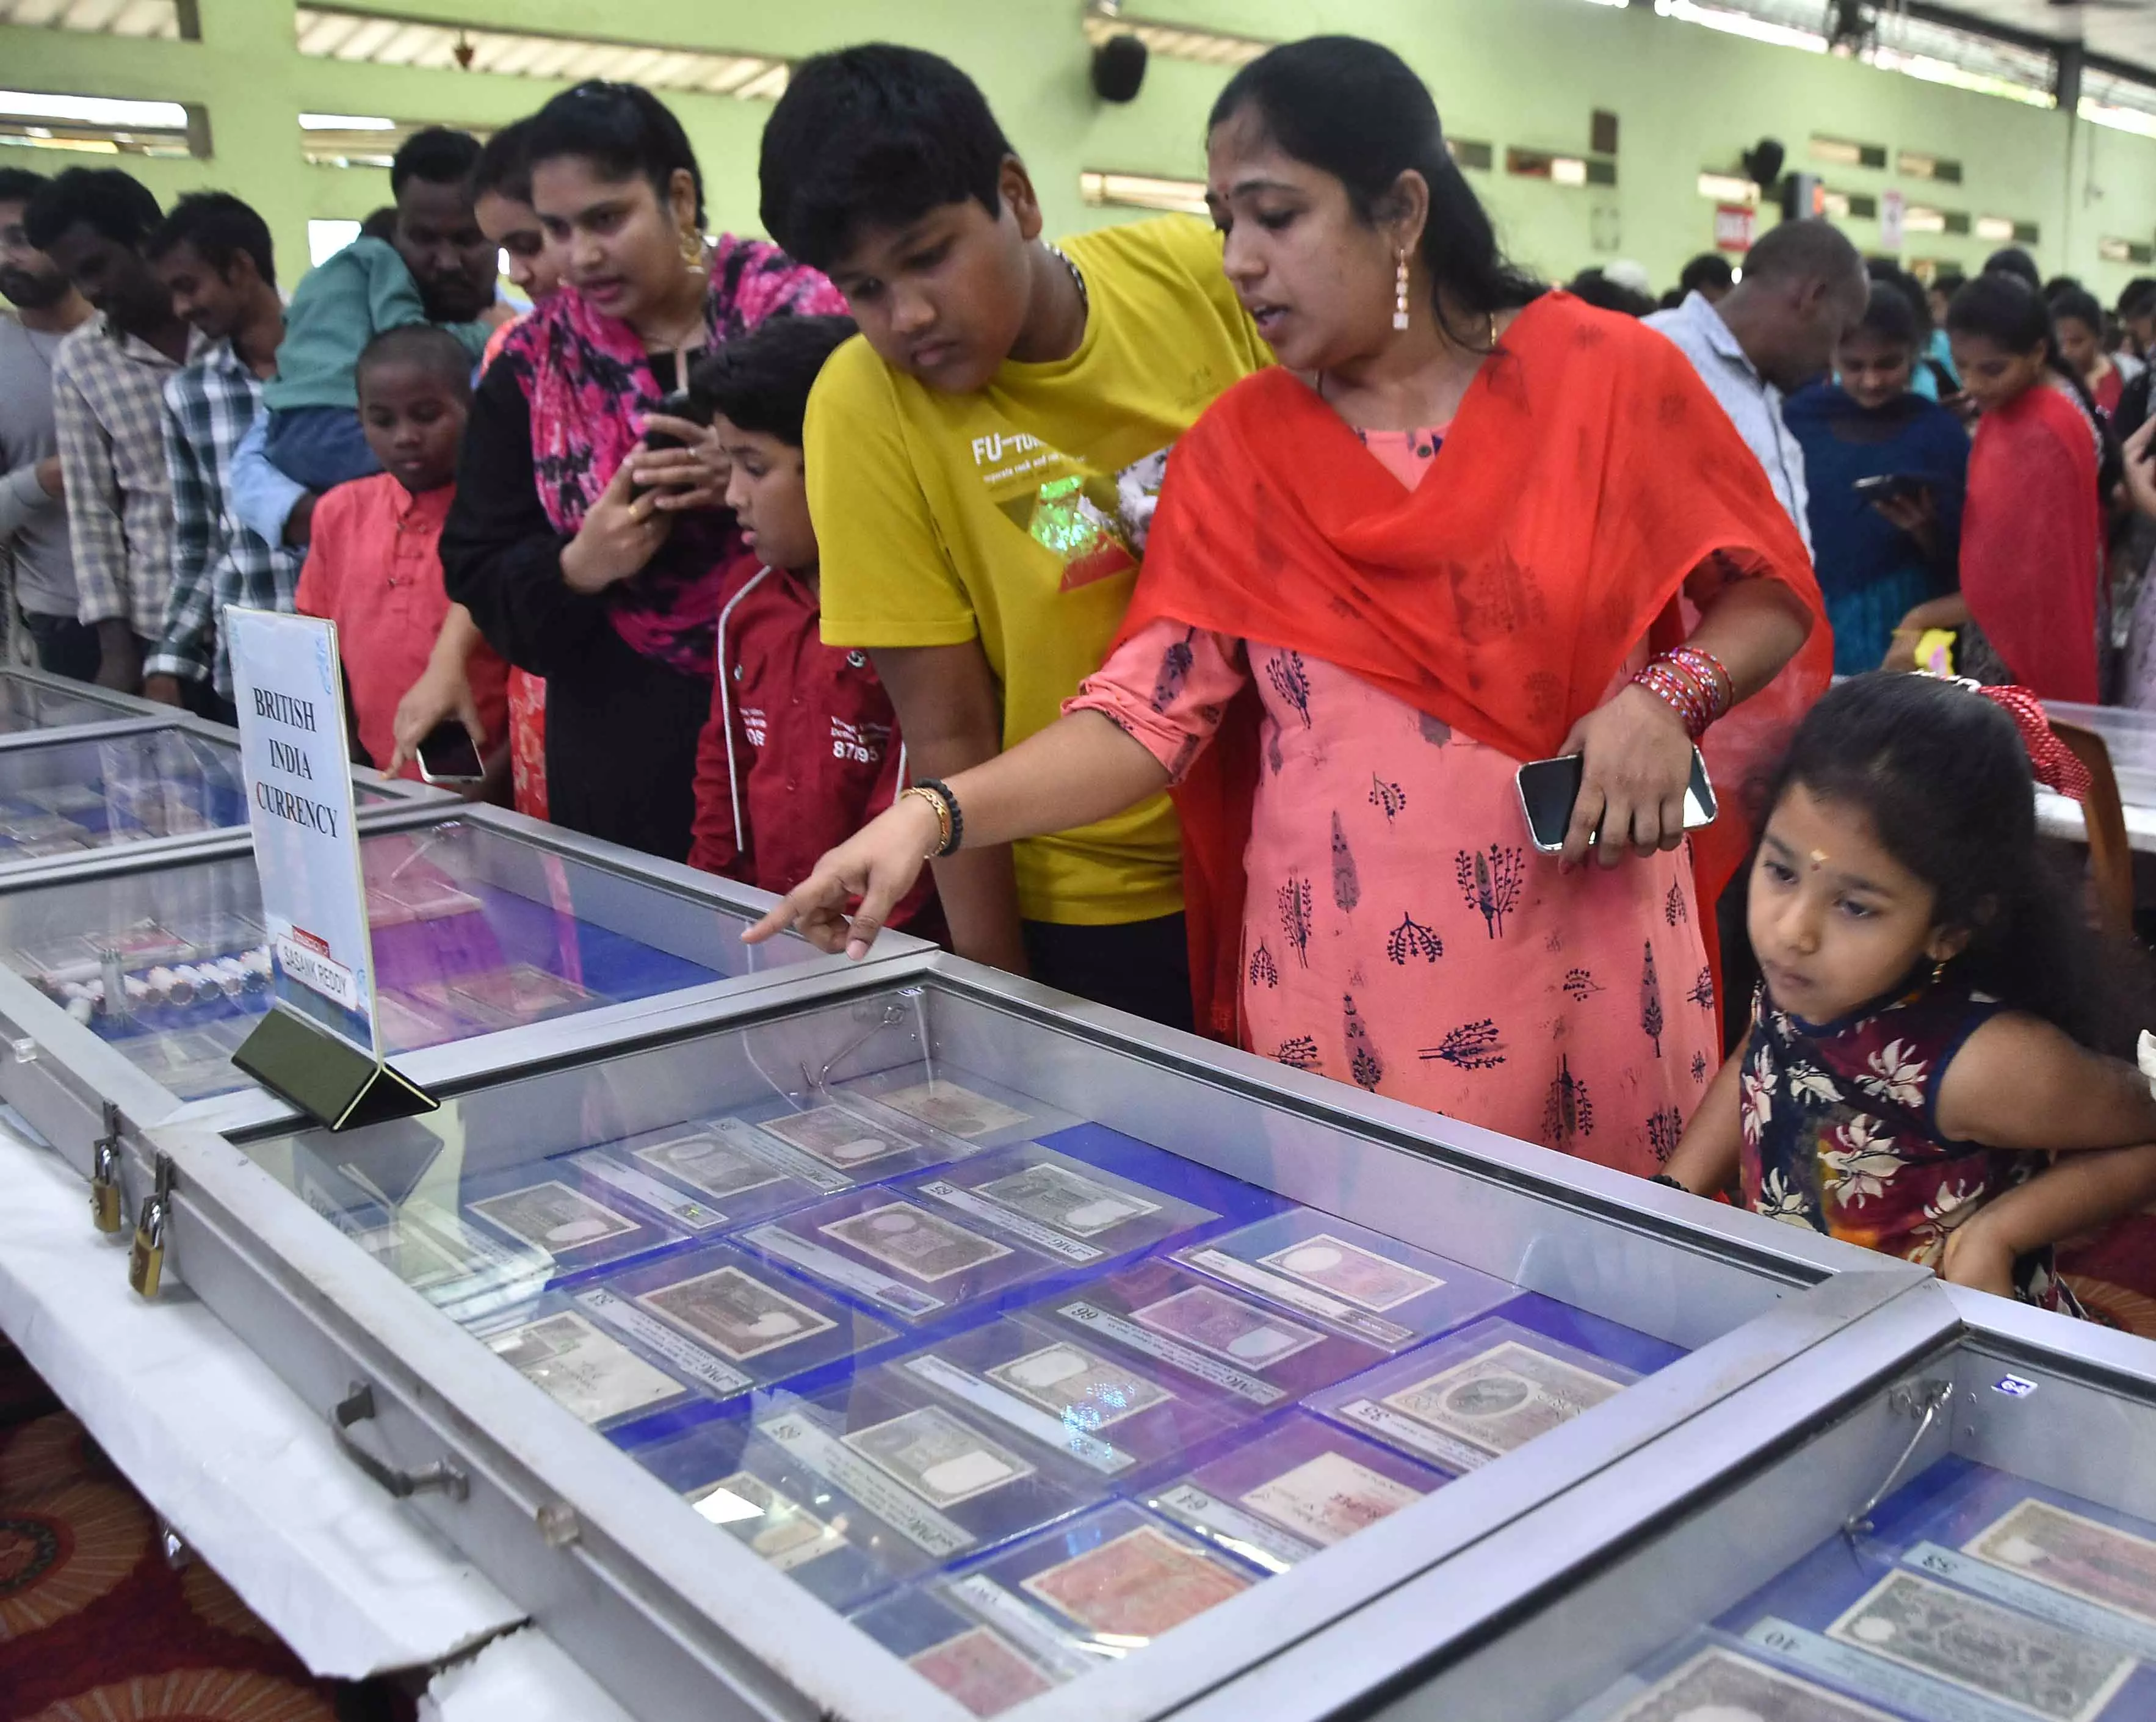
column 982, row 467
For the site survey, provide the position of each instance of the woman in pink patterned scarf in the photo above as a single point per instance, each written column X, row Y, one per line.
column 584, row 557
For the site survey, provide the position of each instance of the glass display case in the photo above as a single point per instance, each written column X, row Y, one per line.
column 1949, row 1516
column 925, row 1344
column 63, row 796
column 131, row 979
column 33, row 704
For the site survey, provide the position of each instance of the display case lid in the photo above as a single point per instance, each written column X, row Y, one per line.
column 33, row 703
column 143, row 787
column 1901, row 1462
column 499, row 941
column 1753, row 1303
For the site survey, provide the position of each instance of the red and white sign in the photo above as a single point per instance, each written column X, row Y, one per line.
column 1735, row 225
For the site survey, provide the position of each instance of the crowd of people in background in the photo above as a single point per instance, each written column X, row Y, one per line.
column 1167, row 614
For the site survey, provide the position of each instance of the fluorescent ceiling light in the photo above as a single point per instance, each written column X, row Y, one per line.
column 1741, row 23
column 1140, row 190
column 93, row 110
column 2133, row 120
column 377, row 38
column 1728, row 188
column 139, row 18
column 345, row 122
column 1997, row 228
column 1213, row 47
column 1568, row 170
column 1940, row 71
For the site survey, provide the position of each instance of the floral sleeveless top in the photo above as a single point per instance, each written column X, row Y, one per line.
column 1841, row 1132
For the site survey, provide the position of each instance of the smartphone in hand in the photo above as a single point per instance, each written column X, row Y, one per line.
column 448, row 755
column 1548, row 788
column 680, row 404
column 1891, row 486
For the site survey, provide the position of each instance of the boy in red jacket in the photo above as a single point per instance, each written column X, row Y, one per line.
column 802, row 748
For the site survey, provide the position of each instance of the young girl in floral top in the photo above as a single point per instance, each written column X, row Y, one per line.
column 1929, row 1071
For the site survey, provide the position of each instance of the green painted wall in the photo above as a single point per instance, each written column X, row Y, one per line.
column 1525, row 73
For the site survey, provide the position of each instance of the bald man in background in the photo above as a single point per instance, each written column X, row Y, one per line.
column 1804, row 285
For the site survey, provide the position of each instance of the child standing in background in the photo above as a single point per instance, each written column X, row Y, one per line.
column 373, row 567
column 802, row 746
column 1929, row 1071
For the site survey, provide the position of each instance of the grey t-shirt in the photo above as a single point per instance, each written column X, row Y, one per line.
column 33, row 527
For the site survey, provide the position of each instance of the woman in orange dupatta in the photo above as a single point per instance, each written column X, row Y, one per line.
column 1380, row 576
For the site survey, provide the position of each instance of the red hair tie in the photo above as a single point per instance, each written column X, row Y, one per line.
column 2055, row 764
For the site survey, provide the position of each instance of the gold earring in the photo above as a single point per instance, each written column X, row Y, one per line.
column 1939, row 970
column 1400, row 291
column 692, row 249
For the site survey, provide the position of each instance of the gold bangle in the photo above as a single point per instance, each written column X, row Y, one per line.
column 942, row 808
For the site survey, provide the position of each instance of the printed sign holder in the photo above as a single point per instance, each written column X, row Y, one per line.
column 319, row 1046
column 334, row 1084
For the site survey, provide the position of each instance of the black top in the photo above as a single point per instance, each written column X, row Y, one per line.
column 501, row 557
column 621, row 727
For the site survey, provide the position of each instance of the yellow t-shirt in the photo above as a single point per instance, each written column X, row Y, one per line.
column 1018, row 513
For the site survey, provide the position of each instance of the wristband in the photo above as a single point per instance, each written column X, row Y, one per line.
column 1664, row 1178
column 950, row 819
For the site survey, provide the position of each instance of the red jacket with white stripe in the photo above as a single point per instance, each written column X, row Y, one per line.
column 801, row 750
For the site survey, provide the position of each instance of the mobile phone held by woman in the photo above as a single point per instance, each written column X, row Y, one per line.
column 448, row 756
column 1548, row 788
column 680, row 404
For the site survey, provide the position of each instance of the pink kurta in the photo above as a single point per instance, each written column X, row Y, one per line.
column 1400, row 932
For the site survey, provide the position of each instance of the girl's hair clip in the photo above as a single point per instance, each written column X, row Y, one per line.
column 2055, row 765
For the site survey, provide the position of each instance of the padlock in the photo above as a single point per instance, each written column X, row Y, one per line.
column 146, row 1262
column 105, row 1173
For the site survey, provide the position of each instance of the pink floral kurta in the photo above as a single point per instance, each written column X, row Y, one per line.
column 1400, row 933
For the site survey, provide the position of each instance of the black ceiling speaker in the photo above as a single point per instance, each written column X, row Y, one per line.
column 1119, row 66
column 1763, row 162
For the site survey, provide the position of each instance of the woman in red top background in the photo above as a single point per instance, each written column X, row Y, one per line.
column 2032, row 609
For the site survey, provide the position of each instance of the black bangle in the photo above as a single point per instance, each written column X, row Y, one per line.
column 1665, row 1177
column 936, row 786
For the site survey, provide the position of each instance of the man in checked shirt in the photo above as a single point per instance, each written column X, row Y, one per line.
column 109, row 406
column 212, row 253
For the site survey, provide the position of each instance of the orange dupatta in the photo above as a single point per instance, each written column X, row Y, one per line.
column 1587, row 474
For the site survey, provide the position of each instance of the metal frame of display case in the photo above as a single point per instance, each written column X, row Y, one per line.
column 127, row 711
column 131, row 712
column 1556, row 1607
column 63, row 1078
column 675, row 1622
column 395, row 795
